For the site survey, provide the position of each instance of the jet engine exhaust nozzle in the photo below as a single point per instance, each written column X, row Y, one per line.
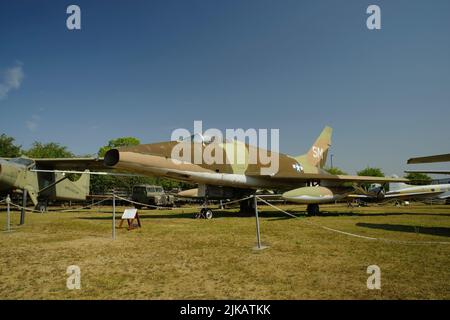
column 112, row 157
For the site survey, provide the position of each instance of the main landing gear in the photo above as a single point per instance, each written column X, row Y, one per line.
column 42, row 206
column 247, row 206
column 313, row 209
column 205, row 212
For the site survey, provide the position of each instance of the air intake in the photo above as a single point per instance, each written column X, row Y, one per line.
column 111, row 158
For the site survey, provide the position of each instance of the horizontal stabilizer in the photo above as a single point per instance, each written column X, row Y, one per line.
column 429, row 171
column 430, row 159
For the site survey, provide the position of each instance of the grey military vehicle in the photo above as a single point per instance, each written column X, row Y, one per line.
column 151, row 195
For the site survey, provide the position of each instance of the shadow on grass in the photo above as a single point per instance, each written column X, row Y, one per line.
column 383, row 214
column 437, row 231
column 366, row 215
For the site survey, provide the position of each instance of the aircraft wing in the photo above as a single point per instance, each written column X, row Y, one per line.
column 331, row 177
column 71, row 164
column 428, row 171
column 429, row 159
column 367, row 179
column 413, row 194
column 397, row 196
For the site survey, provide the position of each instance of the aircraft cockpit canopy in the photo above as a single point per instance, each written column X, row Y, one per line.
column 23, row 161
column 199, row 138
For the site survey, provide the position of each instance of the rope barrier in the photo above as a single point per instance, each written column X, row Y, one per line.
column 130, row 201
column 63, row 210
column 180, row 208
column 273, row 206
column 26, row 209
column 358, row 235
column 126, row 200
column 155, row 206
column 83, row 208
column 234, row 201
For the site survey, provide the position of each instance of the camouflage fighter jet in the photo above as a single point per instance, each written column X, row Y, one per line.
column 302, row 177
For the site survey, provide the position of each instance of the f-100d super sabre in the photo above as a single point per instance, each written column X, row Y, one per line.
column 301, row 177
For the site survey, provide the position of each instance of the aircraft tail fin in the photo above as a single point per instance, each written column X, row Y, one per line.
column 73, row 190
column 318, row 153
column 84, row 182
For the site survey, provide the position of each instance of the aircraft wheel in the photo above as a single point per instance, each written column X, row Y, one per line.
column 201, row 214
column 208, row 214
column 42, row 207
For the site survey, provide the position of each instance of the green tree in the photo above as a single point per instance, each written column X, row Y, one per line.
column 335, row 171
column 418, row 178
column 48, row 150
column 8, row 148
column 371, row 172
column 116, row 143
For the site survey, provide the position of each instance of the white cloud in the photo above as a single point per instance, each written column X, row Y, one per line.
column 11, row 80
column 32, row 124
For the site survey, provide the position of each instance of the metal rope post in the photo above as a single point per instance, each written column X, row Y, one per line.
column 24, row 205
column 8, row 214
column 258, row 234
column 114, row 217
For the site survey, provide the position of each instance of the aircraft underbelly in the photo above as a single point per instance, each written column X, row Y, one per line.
column 213, row 178
column 230, row 180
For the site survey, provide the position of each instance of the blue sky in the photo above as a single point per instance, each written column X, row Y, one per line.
column 144, row 68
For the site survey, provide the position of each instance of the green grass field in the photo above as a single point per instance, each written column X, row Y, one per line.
column 176, row 257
